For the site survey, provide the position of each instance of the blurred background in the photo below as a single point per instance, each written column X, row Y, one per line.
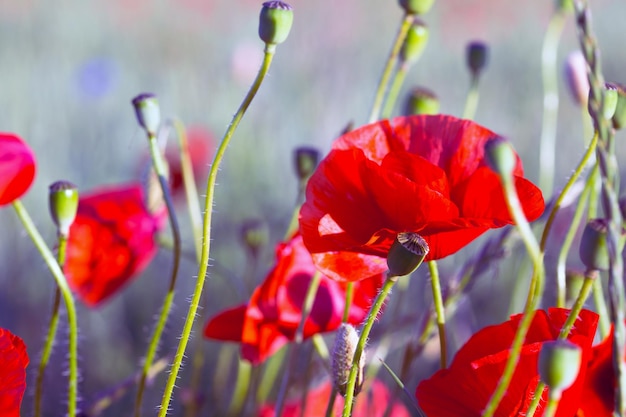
column 69, row 70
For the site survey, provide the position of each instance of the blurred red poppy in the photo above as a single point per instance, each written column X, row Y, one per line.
column 13, row 362
column 17, row 167
column 272, row 315
column 464, row 389
column 370, row 403
column 423, row 174
column 598, row 399
column 111, row 241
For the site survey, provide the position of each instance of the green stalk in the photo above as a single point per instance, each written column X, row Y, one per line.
column 471, row 101
column 549, row 72
column 439, row 311
column 348, row 304
column 407, row 21
column 244, row 371
column 206, row 232
column 68, row 299
column 394, row 91
column 534, row 292
column 53, row 324
column 161, row 171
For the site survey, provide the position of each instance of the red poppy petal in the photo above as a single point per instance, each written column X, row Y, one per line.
column 13, row 363
column 227, row 325
column 17, row 168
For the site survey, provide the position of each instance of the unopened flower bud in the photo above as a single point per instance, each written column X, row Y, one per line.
column 416, row 6
column 619, row 118
column 594, row 252
column 406, row 253
column 609, row 101
column 254, row 235
column 477, row 54
column 63, row 204
column 576, row 77
column 346, row 341
column 148, row 112
column 501, row 156
column 306, row 159
column 565, row 6
column 421, row 101
column 559, row 364
column 414, row 43
column 275, row 22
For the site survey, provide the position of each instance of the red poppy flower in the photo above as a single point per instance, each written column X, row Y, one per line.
column 111, row 241
column 272, row 315
column 464, row 389
column 370, row 403
column 423, row 174
column 598, row 399
column 17, row 168
column 13, row 362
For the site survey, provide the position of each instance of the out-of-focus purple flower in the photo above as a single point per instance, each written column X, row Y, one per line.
column 96, row 78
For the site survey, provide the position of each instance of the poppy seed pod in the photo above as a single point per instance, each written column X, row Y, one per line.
column 559, row 364
column 346, row 341
column 476, row 56
column 415, row 42
column 275, row 22
column 594, row 252
column 148, row 112
column 421, row 101
column 500, row 156
column 416, row 6
column 254, row 235
column 406, row 254
column 306, row 159
column 63, row 205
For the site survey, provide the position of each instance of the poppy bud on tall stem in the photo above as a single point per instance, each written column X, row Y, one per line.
column 275, row 22
column 406, row 254
column 63, row 204
column 148, row 112
column 342, row 357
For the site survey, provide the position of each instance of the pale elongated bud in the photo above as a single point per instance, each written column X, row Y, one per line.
column 343, row 356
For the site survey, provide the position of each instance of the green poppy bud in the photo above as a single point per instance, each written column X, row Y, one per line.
column 501, row 156
column 416, row 6
column 594, row 246
column 254, row 235
column 406, row 253
column 414, row 43
column 342, row 356
column 477, row 54
column 565, row 6
column 63, row 205
column 421, row 101
column 306, row 159
column 275, row 22
column 559, row 364
column 609, row 102
column 148, row 112
column 619, row 118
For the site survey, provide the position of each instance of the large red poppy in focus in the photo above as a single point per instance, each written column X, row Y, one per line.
column 423, row 174
column 272, row 315
column 17, row 167
column 13, row 362
column 370, row 403
column 111, row 241
column 464, row 389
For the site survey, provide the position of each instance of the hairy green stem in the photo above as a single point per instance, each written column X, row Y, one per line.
column 394, row 90
column 206, row 230
column 439, row 311
column 471, row 101
column 68, row 299
column 407, row 21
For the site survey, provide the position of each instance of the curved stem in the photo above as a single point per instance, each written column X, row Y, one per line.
column 365, row 331
column 53, row 324
column 206, row 229
column 68, row 299
column 534, row 293
column 244, row 371
column 391, row 60
column 550, row 101
column 394, row 91
column 161, row 172
column 440, row 312
column 471, row 101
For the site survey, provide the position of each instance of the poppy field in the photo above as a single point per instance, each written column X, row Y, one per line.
column 214, row 208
